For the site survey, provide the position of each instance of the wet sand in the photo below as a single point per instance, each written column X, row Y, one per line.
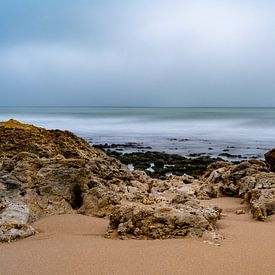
column 74, row 244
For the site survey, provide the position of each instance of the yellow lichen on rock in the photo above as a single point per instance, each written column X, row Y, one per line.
column 15, row 124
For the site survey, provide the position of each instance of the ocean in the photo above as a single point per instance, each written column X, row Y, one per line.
column 234, row 133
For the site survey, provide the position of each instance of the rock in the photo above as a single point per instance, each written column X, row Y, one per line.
column 250, row 180
column 227, row 179
column 165, row 163
column 240, row 212
column 270, row 159
column 48, row 172
column 161, row 221
column 14, row 216
column 182, row 198
column 262, row 203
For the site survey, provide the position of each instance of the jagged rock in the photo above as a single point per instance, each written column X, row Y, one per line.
column 162, row 221
column 54, row 172
column 270, row 159
column 262, row 203
column 14, row 216
column 250, row 180
column 231, row 179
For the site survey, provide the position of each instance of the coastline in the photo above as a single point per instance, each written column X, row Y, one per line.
column 137, row 137
column 74, row 203
column 245, row 132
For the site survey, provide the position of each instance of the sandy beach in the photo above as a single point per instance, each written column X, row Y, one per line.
column 74, row 244
column 137, row 137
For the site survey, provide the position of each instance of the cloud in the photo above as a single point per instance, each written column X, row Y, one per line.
column 34, row 60
column 145, row 52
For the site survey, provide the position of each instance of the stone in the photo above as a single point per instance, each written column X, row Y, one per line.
column 262, row 203
column 48, row 172
column 270, row 159
column 164, row 164
column 250, row 180
column 14, row 216
column 240, row 212
column 162, row 221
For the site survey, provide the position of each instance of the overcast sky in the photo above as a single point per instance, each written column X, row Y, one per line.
column 137, row 52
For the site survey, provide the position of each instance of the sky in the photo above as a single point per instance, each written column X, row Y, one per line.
column 137, row 53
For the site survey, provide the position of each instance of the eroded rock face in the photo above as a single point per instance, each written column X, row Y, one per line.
column 163, row 221
column 250, row 180
column 53, row 172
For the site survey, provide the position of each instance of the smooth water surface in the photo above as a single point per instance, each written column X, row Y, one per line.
column 238, row 131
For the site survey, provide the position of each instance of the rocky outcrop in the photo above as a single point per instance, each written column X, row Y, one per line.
column 250, row 180
column 45, row 172
column 162, row 221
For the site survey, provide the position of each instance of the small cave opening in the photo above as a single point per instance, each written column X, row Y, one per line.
column 77, row 197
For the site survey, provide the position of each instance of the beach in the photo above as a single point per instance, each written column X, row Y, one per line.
column 137, row 137
column 75, row 244
column 68, row 208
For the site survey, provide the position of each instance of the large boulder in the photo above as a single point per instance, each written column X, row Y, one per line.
column 162, row 221
column 270, row 159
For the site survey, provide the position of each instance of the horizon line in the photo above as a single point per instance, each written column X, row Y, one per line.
column 130, row 106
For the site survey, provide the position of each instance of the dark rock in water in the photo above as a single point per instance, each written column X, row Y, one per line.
column 227, row 155
column 270, row 159
column 121, row 146
column 184, row 139
column 165, row 163
column 196, row 155
column 179, row 140
column 256, row 157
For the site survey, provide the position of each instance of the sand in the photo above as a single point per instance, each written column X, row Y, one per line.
column 74, row 244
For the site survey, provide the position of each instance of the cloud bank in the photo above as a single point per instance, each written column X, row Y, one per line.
column 137, row 53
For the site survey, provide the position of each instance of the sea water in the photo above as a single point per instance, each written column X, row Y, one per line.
column 248, row 132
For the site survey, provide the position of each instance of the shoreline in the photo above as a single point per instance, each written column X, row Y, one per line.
column 177, row 131
column 75, row 195
column 183, row 147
